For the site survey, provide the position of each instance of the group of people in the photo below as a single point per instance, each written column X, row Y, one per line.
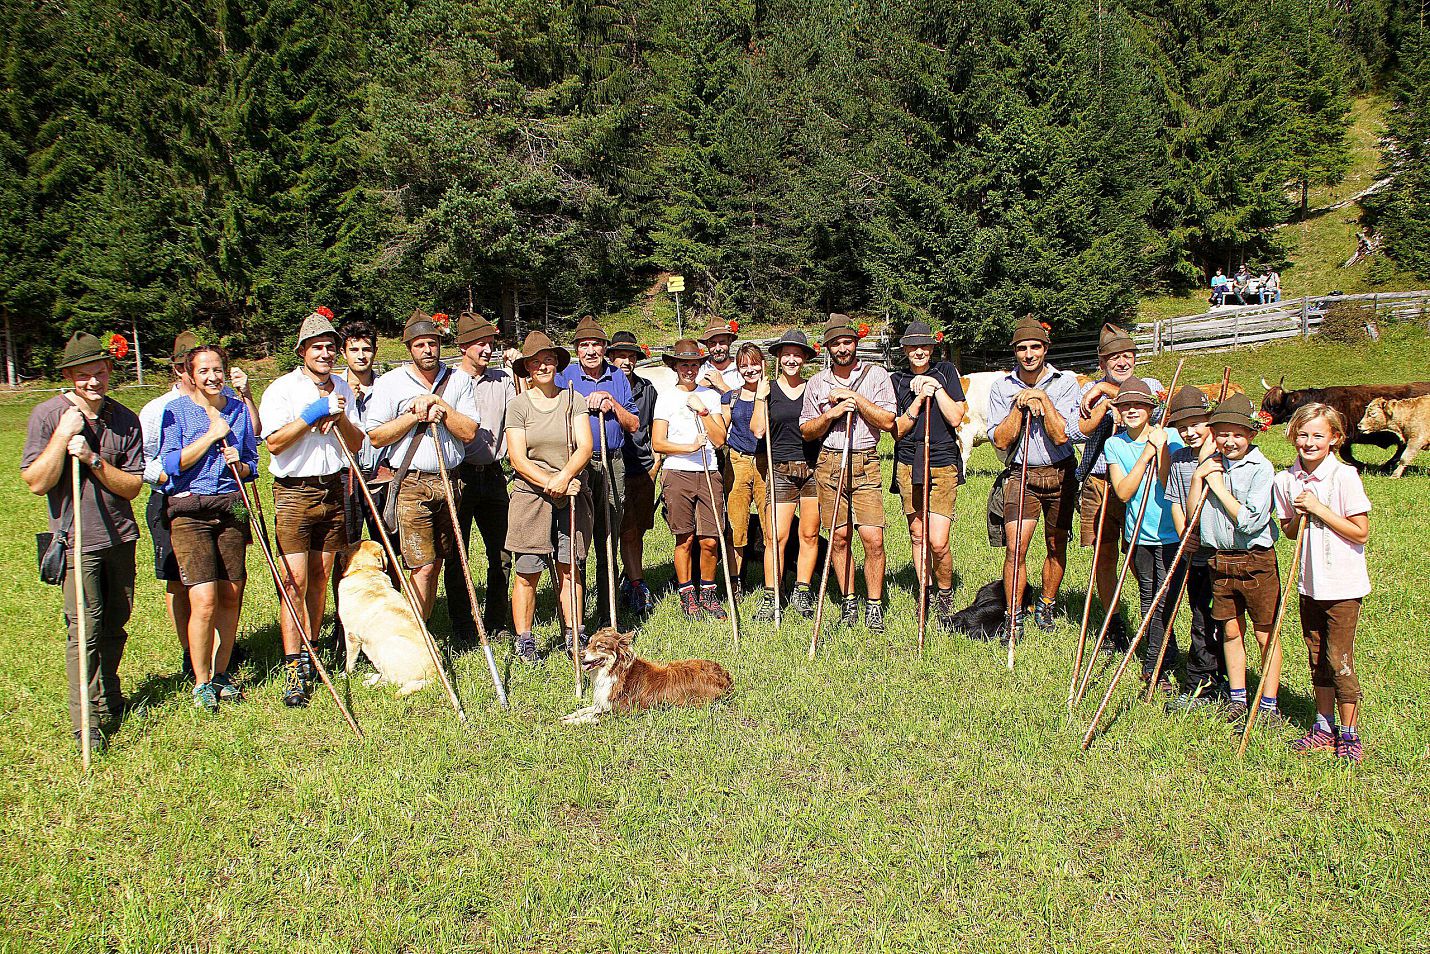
column 1246, row 287
column 563, row 453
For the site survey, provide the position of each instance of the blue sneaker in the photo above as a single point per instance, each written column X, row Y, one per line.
column 206, row 697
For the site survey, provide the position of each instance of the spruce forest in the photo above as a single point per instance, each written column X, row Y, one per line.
column 232, row 163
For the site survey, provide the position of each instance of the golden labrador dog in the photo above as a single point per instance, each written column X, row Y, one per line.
column 378, row 622
column 622, row 682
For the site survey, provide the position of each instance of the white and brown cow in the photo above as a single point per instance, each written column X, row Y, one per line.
column 1407, row 418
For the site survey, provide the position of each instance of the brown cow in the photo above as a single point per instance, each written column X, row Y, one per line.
column 1408, row 418
column 1351, row 401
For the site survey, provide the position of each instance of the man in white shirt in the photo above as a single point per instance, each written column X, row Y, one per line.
column 481, row 491
column 720, row 370
column 407, row 402
column 306, row 412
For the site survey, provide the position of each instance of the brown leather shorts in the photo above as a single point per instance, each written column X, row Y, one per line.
column 309, row 515
column 1052, row 492
column 423, row 523
column 1112, row 518
column 1246, row 581
column 210, row 539
column 943, row 492
column 1330, row 630
column 864, row 485
column 639, row 512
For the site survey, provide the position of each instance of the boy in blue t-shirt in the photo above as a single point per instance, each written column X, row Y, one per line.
column 1137, row 463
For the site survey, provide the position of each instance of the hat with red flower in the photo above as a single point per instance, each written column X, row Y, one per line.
column 319, row 324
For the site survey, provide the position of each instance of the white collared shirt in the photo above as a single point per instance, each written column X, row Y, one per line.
column 314, row 454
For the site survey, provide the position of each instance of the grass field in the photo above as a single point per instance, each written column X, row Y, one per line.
column 869, row 800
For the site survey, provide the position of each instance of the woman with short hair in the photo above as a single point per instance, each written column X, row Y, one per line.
column 743, row 412
column 542, row 423
column 204, row 437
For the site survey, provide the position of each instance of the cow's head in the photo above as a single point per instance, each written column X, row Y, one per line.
column 1377, row 415
column 1277, row 401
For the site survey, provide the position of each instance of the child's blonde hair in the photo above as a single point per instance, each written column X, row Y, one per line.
column 1307, row 413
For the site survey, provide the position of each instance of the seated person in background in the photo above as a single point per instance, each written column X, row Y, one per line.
column 1270, row 285
column 1219, row 288
column 1239, row 283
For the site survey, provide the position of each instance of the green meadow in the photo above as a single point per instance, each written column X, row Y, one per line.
column 871, row 799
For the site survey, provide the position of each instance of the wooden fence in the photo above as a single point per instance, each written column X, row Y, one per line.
column 1243, row 325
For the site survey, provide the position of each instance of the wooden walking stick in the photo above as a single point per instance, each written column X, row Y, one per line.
column 250, row 503
column 1015, row 601
column 1273, row 645
column 81, row 619
column 1157, row 598
column 720, row 534
column 1087, row 601
column 1110, row 612
column 467, row 573
column 926, row 548
column 774, row 506
column 833, row 516
column 575, row 607
column 406, row 584
column 1191, row 522
column 611, row 531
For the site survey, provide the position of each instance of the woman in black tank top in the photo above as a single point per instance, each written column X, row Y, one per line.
column 794, row 460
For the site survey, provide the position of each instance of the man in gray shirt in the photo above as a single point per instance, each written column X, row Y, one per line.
column 482, row 497
column 1043, row 399
column 1117, row 357
column 865, row 391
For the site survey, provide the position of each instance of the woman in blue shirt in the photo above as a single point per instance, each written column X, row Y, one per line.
column 203, row 439
column 1138, row 460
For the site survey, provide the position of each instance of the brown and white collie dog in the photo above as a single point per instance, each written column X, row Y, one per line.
column 622, row 682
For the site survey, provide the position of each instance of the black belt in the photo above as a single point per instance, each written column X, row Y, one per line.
column 480, row 468
column 326, row 480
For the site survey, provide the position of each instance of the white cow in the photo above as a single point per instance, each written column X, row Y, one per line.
column 974, row 429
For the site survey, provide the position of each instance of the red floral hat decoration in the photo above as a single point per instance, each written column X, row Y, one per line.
column 118, row 345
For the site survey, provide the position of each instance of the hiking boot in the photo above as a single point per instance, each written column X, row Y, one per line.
column 1317, row 740
column 1235, row 710
column 566, row 639
column 1116, row 642
column 1044, row 614
column 642, row 598
column 309, row 673
column 850, row 614
column 187, row 670
column 97, row 741
column 1018, row 623
column 943, row 609
column 1271, row 720
column 526, row 648
column 690, row 604
column 624, row 593
column 295, row 687
column 1349, row 749
column 802, row 602
column 765, row 612
column 1201, row 697
column 874, row 616
column 710, row 602
column 227, row 690
column 206, row 697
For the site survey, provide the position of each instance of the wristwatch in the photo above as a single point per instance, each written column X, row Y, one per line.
column 95, row 462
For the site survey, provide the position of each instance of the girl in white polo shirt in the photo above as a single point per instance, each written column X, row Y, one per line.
column 1328, row 496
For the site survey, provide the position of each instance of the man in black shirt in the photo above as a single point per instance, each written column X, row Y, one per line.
column 640, row 466
column 923, row 388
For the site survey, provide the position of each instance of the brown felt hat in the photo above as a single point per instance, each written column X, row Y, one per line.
column 473, row 327
column 184, row 342
column 625, row 341
column 1134, row 391
column 420, row 325
column 1029, row 328
column 535, row 343
column 715, row 327
column 838, row 326
column 683, row 350
column 589, row 329
column 83, row 348
column 1114, row 340
column 1187, row 403
column 1236, row 409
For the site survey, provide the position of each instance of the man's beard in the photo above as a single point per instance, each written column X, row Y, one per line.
column 844, row 362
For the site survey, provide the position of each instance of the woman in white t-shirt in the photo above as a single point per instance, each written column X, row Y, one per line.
column 687, row 428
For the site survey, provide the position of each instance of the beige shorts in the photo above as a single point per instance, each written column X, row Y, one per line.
column 943, row 491
column 863, row 485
